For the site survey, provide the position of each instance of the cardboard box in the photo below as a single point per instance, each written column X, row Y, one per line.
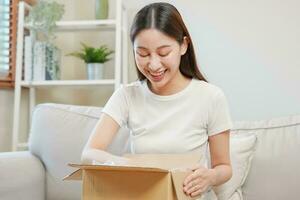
column 148, row 177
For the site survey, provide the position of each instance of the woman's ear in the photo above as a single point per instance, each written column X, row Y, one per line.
column 184, row 45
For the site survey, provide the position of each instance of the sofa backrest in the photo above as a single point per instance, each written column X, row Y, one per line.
column 275, row 170
column 58, row 135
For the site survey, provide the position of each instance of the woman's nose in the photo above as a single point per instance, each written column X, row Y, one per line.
column 154, row 63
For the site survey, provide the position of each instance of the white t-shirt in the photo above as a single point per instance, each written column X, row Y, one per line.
column 175, row 123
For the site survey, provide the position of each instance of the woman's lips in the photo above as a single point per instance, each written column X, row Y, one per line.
column 157, row 76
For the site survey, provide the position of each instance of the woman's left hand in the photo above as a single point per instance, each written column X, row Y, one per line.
column 199, row 181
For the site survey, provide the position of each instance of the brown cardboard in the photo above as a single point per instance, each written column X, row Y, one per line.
column 148, row 177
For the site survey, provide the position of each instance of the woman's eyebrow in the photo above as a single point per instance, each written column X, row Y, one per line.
column 163, row 46
column 160, row 47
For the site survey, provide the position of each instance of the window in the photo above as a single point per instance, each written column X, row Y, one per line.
column 4, row 36
column 8, row 12
column 8, row 40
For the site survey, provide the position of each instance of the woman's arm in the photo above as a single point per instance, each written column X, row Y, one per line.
column 220, row 158
column 202, row 178
column 99, row 140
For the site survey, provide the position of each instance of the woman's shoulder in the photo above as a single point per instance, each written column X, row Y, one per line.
column 206, row 87
column 133, row 87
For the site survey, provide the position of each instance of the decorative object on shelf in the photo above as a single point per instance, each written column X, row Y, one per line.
column 43, row 17
column 101, row 9
column 52, row 67
column 43, row 61
column 94, row 59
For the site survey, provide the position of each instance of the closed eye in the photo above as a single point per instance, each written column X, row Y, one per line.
column 164, row 54
column 143, row 55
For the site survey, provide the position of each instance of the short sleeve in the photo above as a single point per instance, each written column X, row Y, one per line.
column 117, row 107
column 219, row 119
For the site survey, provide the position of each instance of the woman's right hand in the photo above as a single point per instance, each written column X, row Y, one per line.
column 99, row 140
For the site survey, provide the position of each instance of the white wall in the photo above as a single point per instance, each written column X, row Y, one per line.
column 6, row 109
column 250, row 49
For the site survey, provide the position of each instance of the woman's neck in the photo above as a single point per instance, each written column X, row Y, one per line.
column 175, row 85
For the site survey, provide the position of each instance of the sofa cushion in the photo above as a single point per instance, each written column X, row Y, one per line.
column 22, row 176
column 58, row 135
column 242, row 149
column 274, row 173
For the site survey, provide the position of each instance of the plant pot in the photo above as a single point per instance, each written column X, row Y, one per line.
column 95, row 71
column 101, row 7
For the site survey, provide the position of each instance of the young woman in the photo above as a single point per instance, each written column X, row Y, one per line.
column 172, row 108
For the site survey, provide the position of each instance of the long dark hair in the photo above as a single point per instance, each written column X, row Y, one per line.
column 166, row 18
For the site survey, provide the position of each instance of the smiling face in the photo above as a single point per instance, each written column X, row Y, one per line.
column 158, row 58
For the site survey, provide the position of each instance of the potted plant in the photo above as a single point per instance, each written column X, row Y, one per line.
column 43, row 16
column 94, row 59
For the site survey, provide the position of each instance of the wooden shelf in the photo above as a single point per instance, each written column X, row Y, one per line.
column 36, row 84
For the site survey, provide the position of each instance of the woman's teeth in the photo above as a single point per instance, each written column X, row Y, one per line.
column 157, row 74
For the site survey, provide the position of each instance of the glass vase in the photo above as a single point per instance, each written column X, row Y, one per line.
column 101, row 9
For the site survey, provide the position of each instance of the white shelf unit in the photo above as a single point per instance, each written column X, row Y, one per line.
column 108, row 24
column 119, row 25
column 36, row 84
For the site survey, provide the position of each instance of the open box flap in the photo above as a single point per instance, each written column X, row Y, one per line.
column 76, row 175
column 165, row 161
column 178, row 177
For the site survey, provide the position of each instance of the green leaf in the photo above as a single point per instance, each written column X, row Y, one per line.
column 93, row 55
column 43, row 17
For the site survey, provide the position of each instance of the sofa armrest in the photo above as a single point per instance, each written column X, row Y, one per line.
column 22, row 176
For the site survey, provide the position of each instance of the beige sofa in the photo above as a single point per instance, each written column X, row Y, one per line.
column 59, row 132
